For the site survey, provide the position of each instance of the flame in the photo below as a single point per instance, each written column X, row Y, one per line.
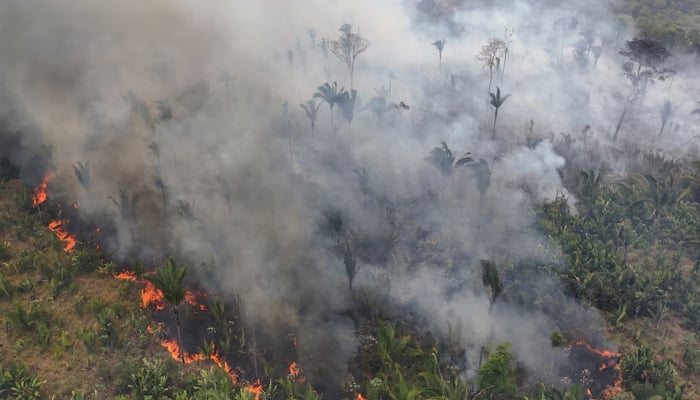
column 152, row 295
column 126, row 275
column 359, row 396
column 223, row 365
column 67, row 238
column 39, row 195
column 256, row 388
column 293, row 369
column 174, row 350
column 610, row 360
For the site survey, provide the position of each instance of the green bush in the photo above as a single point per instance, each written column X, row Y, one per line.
column 150, row 381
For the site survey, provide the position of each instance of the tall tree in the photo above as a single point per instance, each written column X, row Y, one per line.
column 82, row 172
column 507, row 41
column 348, row 47
column 347, row 106
column 439, row 45
column 169, row 280
column 666, row 112
column 644, row 65
column 331, row 95
column 489, row 57
column 497, row 101
column 311, row 111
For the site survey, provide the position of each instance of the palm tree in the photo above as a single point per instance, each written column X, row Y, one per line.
column 444, row 159
column 126, row 206
column 311, row 110
column 347, row 106
column 331, row 96
column 351, row 267
column 666, row 112
column 491, row 280
column 497, row 101
column 168, row 279
column 82, row 172
column 439, row 45
column 483, row 177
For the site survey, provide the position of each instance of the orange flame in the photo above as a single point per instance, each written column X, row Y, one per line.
column 610, row 360
column 359, row 396
column 39, row 195
column 293, row 369
column 256, row 388
column 126, row 275
column 174, row 350
column 152, row 295
column 68, row 239
column 223, row 365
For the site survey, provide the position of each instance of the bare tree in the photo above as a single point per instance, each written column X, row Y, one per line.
column 489, row 57
column 645, row 59
column 507, row 40
column 348, row 47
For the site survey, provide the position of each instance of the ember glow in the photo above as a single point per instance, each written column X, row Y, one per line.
column 65, row 237
column 360, row 397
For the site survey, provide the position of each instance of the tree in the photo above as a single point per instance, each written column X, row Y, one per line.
column 439, row 45
column 311, row 110
column 82, row 172
column 169, row 280
column 489, row 57
column 666, row 112
column 348, row 47
column 483, row 177
column 491, row 280
column 126, row 206
column 497, row 101
column 351, row 267
column 444, row 159
column 331, row 96
column 494, row 375
column 507, row 35
column 644, row 65
column 346, row 102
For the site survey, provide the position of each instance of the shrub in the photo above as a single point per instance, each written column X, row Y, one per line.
column 150, row 381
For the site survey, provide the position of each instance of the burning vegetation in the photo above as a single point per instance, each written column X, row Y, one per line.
column 397, row 233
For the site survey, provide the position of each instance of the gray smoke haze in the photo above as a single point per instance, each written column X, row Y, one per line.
column 83, row 76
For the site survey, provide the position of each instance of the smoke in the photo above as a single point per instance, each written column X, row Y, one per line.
column 226, row 172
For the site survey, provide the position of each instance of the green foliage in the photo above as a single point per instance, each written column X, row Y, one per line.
column 169, row 280
column 495, row 375
column 5, row 253
column 149, row 381
column 6, row 288
column 17, row 383
column 644, row 375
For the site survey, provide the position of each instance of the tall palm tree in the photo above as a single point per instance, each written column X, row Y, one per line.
column 82, row 172
column 347, row 106
column 666, row 112
column 331, row 95
column 311, row 110
column 169, row 280
column 497, row 101
column 439, row 45
column 491, row 280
